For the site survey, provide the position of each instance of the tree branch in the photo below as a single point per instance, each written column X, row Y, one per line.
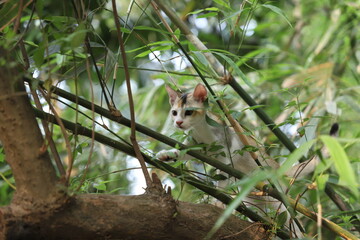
column 20, row 134
column 93, row 216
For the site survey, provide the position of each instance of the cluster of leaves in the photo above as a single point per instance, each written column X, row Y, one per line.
column 299, row 61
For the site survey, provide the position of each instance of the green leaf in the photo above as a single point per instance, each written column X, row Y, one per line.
column 9, row 10
column 219, row 177
column 212, row 122
column 235, row 68
column 158, row 48
column 125, row 30
column 251, row 55
column 291, row 104
column 39, row 55
column 247, row 185
column 215, row 148
column 294, row 157
column 210, row 9
column 281, row 219
column 177, row 34
column 100, row 186
column 223, row 3
column 151, row 44
column 209, row 14
column 277, row 11
column 321, row 181
column 195, row 12
column 146, row 28
column 342, row 164
column 2, row 155
column 254, row 107
column 39, row 7
column 77, row 38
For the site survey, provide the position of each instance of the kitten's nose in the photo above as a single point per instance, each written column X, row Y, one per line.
column 179, row 123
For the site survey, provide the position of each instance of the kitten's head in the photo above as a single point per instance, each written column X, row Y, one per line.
column 188, row 109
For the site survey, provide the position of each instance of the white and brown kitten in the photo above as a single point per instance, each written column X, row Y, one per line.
column 189, row 114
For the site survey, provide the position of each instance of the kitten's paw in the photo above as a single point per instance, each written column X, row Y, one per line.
column 168, row 155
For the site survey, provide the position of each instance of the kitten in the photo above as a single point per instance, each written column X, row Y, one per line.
column 189, row 114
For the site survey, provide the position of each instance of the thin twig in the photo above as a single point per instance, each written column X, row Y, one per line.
column 63, row 131
column 92, row 126
column 48, row 136
column 131, row 102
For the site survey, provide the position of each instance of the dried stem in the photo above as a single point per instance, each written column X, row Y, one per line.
column 93, row 126
column 63, row 131
column 48, row 135
column 131, row 102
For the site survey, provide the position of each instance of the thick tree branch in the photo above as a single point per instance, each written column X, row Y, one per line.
column 23, row 142
column 131, row 217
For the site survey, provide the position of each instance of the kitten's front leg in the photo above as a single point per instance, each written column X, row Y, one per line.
column 168, row 155
column 172, row 154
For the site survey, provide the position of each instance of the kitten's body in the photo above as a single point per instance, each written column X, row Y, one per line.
column 189, row 114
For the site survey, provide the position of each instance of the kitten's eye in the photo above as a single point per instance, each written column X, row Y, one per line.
column 174, row 112
column 188, row 112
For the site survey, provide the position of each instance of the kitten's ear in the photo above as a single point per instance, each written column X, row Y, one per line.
column 200, row 93
column 172, row 94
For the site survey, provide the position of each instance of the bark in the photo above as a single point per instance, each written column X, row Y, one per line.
column 131, row 217
column 23, row 143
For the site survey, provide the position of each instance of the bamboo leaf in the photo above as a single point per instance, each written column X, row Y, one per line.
column 206, row 15
column 277, row 11
column 223, row 3
column 294, row 157
column 235, row 68
column 342, row 164
column 247, row 185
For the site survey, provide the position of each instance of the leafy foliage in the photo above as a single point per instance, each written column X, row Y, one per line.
column 298, row 60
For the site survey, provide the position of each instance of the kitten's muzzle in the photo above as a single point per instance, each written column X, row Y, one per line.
column 178, row 123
